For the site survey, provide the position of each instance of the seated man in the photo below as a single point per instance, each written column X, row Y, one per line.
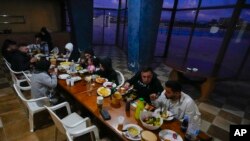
column 176, row 101
column 21, row 61
column 145, row 83
column 8, row 48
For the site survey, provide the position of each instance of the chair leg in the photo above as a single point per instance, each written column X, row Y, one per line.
column 31, row 122
column 56, row 132
column 96, row 133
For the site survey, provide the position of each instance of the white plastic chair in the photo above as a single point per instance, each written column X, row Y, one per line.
column 72, row 125
column 121, row 78
column 32, row 105
column 27, row 76
column 17, row 77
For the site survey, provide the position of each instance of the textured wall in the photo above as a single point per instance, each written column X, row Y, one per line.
column 37, row 13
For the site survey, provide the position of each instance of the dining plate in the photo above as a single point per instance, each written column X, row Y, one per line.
column 101, row 80
column 109, row 84
column 76, row 78
column 128, row 136
column 171, row 135
column 63, row 76
column 168, row 116
column 102, row 91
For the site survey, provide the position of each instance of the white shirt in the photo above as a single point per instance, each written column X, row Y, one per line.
column 185, row 106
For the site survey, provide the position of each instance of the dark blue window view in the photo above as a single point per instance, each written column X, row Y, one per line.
column 196, row 36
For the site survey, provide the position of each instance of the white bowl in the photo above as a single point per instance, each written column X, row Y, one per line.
column 148, row 114
column 109, row 84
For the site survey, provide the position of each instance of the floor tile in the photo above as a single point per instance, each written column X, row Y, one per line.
column 245, row 121
column 205, row 125
column 2, row 135
column 230, row 117
column 209, row 108
column 218, row 133
column 233, row 110
column 12, row 116
column 207, row 116
column 222, row 123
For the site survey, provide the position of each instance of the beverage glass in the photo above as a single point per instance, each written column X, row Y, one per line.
column 68, row 81
column 99, row 102
column 120, row 121
column 72, row 82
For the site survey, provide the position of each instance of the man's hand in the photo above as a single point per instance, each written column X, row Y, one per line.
column 33, row 59
column 153, row 96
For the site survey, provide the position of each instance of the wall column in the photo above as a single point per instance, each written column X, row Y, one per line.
column 81, row 17
column 143, row 23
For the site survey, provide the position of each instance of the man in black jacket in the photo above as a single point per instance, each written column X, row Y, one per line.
column 20, row 60
column 145, row 83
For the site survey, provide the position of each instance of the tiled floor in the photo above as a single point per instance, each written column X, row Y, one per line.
column 217, row 114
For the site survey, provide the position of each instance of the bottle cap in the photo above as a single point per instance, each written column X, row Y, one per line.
column 141, row 99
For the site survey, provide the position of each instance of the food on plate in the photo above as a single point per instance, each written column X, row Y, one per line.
column 79, row 68
column 133, row 131
column 65, row 63
column 103, row 91
column 167, row 140
column 149, row 107
column 155, row 121
column 174, row 135
column 100, row 80
column 164, row 114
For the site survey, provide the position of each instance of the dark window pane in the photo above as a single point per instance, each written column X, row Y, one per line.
column 206, row 3
column 98, row 26
column 180, row 36
column 110, row 27
column 237, row 48
column 162, row 33
column 168, row 4
column 205, row 42
column 106, row 3
column 187, row 4
column 123, row 4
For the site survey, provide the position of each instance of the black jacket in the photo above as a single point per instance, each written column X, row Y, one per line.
column 20, row 61
column 144, row 90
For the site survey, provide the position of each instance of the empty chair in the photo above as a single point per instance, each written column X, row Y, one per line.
column 32, row 105
column 17, row 77
column 120, row 77
column 72, row 125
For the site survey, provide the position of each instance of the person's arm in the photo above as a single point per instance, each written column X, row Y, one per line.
column 132, row 80
column 191, row 109
column 160, row 99
column 48, row 81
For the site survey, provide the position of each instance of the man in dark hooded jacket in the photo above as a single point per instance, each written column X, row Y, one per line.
column 146, row 83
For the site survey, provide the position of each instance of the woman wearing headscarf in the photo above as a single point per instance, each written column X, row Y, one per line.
column 107, row 71
column 42, row 82
column 72, row 53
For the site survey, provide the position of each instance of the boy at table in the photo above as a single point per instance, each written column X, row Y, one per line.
column 176, row 101
column 145, row 83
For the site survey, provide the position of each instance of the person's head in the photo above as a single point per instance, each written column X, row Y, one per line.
column 44, row 30
column 23, row 48
column 88, row 53
column 69, row 47
column 147, row 75
column 106, row 64
column 90, row 61
column 43, row 65
column 8, row 46
column 173, row 89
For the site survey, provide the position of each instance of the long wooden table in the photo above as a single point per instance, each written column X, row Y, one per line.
column 81, row 94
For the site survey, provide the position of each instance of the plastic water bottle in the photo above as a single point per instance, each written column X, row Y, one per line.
column 139, row 108
column 193, row 128
column 184, row 124
column 46, row 49
column 72, row 66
